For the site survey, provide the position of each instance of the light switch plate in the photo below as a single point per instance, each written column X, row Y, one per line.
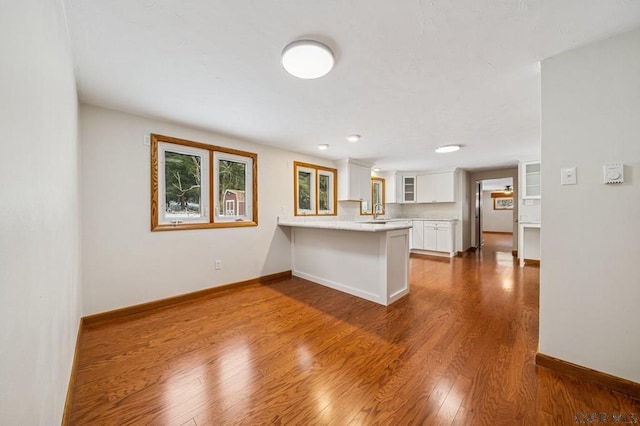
column 568, row 176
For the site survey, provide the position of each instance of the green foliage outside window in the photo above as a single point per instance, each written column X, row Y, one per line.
column 304, row 190
column 231, row 176
column 183, row 175
column 323, row 193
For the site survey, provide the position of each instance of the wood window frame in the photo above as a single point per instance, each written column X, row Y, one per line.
column 317, row 170
column 212, row 223
column 373, row 203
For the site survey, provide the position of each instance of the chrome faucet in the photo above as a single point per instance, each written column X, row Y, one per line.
column 377, row 209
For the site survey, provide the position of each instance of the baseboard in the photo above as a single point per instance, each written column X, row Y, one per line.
column 118, row 314
column 430, row 255
column 585, row 374
column 466, row 252
column 72, row 377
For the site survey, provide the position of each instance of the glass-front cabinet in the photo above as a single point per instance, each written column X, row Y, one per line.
column 530, row 175
column 408, row 189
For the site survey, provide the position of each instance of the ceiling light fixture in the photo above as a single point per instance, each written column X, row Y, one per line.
column 376, row 169
column 353, row 138
column 307, row 59
column 447, row 148
column 323, row 146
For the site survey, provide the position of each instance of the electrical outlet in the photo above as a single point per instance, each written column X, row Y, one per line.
column 218, row 264
column 146, row 140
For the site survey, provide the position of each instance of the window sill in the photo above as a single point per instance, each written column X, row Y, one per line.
column 187, row 226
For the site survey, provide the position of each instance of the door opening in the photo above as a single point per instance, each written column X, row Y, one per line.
column 494, row 200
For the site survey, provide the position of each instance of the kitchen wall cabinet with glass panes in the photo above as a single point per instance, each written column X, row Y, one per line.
column 407, row 189
column 530, row 180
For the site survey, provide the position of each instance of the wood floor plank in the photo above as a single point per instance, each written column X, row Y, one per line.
column 458, row 350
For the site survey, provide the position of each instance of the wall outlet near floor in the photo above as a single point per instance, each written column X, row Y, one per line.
column 218, row 264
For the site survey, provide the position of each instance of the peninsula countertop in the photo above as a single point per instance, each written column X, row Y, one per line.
column 362, row 226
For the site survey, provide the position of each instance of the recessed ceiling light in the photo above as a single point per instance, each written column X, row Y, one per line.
column 447, row 148
column 323, row 146
column 353, row 138
column 376, row 169
column 307, row 59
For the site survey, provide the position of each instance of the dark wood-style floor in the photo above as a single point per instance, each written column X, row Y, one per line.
column 458, row 350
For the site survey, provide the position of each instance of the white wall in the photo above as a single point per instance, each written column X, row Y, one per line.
column 39, row 255
column 124, row 263
column 590, row 280
column 495, row 220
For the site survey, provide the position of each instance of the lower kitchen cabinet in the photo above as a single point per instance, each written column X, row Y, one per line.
column 434, row 235
column 417, row 234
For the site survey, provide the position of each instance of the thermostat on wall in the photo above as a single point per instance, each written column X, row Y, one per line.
column 614, row 173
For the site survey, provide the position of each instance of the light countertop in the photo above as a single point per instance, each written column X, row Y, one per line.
column 389, row 225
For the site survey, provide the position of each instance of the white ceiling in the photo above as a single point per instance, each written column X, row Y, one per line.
column 496, row 184
column 409, row 75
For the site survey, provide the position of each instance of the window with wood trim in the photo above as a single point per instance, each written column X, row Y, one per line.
column 315, row 190
column 377, row 204
column 196, row 185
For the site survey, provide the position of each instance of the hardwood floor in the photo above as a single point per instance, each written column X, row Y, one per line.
column 458, row 350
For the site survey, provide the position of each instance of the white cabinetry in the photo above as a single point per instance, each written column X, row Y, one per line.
column 434, row 235
column 436, row 188
column 417, row 234
column 407, row 189
column 530, row 180
column 354, row 180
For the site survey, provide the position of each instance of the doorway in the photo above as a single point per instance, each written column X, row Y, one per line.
column 494, row 208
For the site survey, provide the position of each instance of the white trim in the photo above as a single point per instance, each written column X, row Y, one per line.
column 331, row 175
column 203, row 217
column 248, row 187
column 312, row 190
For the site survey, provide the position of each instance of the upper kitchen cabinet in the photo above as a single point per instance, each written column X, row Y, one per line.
column 354, row 180
column 407, row 189
column 436, row 188
column 530, row 180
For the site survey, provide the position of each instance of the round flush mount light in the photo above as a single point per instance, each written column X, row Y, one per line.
column 353, row 138
column 323, row 146
column 376, row 169
column 307, row 59
column 447, row 148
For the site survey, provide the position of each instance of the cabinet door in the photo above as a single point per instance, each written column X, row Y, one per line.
column 430, row 236
column 417, row 239
column 354, row 182
column 444, row 187
column 444, row 240
column 425, row 193
column 436, row 188
column 408, row 189
column 530, row 178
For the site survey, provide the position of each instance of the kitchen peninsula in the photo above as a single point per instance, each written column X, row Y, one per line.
column 368, row 260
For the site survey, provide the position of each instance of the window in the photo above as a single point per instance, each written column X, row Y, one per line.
column 183, row 177
column 188, row 193
column 314, row 189
column 377, row 205
column 233, row 195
